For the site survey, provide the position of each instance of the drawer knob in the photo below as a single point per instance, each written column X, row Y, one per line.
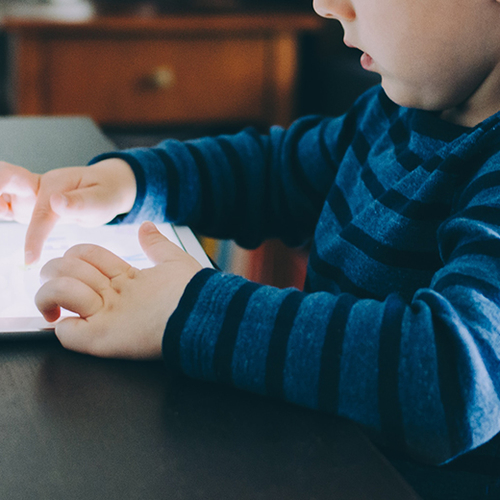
column 162, row 78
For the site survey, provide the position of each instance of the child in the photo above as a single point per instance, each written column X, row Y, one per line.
column 398, row 325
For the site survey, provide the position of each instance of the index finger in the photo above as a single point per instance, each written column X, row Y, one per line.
column 42, row 222
column 17, row 180
column 108, row 263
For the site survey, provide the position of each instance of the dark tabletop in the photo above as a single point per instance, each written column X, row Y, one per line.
column 77, row 427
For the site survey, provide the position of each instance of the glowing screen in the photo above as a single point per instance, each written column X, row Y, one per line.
column 19, row 284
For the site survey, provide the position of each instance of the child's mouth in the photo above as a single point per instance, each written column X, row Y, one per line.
column 366, row 61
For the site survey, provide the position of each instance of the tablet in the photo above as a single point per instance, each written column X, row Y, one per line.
column 19, row 283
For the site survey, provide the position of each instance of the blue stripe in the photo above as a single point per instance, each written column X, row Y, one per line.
column 371, row 182
column 414, row 209
column 449, row 358
column 207, row 201
column 486, row 181
column 172, row 185
column 226, row 341
column 388, row 255
column 490, row 215
column 491, row 292
column 176, row 323
column 236, row 217
column 331, row 357
column 276, row 358
column 336, row 274
column 486, row 248
column 361, row 147
column 339, row 206
column 409, row 160
column 391, row 417
column 299, row 178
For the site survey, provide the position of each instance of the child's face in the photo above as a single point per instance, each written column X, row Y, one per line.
column 431, row 54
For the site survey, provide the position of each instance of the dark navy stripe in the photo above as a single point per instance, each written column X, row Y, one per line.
column 276, row 357
column 432, row 163
column 236, row 213
column 391, row 418
column 331, row 355
column 487, row 247
column 337, row 275
column 207, row 201
column 388, row 106
column 456, row 167
column 326, row 156
column 449, row 363
column 486, row 181
column 409, row 160
column 388, row 255
column 339, row 206
column 172, row 187
column 486, row 289
column 371, row 182
column 301, row 181
column 361, row 148
column 414, row 209
column 399, row 136
column 344, row 139
column 175, row 325
column 226, row 341
column 489, row 215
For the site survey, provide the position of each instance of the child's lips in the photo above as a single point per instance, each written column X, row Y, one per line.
column 366, row 61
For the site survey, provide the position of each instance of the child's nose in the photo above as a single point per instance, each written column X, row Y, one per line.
column 335, row 9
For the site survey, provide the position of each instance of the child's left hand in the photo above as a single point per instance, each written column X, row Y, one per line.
column 123, row 311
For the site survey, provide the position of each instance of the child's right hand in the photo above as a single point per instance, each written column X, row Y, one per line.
column 89, row 196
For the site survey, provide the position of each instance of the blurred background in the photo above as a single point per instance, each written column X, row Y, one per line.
column 329, row 77
column 147, row 70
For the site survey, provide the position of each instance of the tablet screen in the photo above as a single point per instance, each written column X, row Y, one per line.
column 19, row 283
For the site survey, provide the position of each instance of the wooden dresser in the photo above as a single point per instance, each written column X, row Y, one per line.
column 157, row 69
column 165, row 70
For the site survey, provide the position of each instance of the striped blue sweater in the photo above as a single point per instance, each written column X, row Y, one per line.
column 398, row 325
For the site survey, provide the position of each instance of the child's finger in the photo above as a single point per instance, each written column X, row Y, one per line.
column 42, row 222
column 109, row 264
column 83, row 205
column 17, row 180
column 5, row 212
column 77, row 269
column 156, row 246
column 75, row 334
column 69, row 294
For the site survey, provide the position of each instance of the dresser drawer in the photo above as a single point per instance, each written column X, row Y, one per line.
column 150, row 81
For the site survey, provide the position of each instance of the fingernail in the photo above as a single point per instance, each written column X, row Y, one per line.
column 148, row 226
column 28, row 257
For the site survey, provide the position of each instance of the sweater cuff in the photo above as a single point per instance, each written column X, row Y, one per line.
column 175, row 325
column 150, row 201
column 192, row 341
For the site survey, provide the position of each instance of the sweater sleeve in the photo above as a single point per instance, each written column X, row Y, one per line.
column 421, row 375
column 247, row 187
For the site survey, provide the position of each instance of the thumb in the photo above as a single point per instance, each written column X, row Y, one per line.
column 156, row 246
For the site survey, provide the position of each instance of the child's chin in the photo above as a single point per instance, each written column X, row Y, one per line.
column 403, row 96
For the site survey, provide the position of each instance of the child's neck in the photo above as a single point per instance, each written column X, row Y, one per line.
column 468, row 117
column 482, row 104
